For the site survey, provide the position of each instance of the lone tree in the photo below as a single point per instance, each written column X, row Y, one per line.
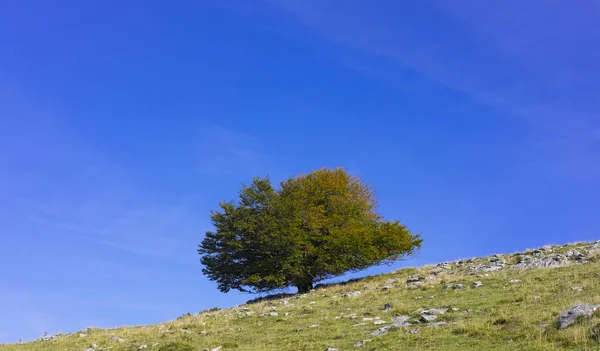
column 315, row 226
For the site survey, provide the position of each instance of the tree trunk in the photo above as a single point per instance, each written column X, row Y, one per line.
column 304, row 287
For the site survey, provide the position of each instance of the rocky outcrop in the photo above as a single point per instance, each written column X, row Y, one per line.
column 572, row 314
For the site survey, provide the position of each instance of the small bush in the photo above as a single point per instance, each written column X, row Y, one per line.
column 176, row 346
column 214, row 309
column 595, row 332
column 459, row 331
column 184, row 316
column 230, row 345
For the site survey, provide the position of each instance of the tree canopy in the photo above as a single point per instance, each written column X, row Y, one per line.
column 313, row 227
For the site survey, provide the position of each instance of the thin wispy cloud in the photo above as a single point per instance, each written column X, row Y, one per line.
column 521, row 58
column 225, row 152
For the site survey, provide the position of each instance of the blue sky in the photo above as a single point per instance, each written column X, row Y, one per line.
column 122, row 124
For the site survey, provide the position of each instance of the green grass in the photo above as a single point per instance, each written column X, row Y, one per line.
column 503, row 316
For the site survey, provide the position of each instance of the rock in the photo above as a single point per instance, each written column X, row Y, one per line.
column 401, row 321
column 387, row 287
column 351, row 294
column 361, row 343
column 463, row 313
column 88, row 349
column 218, row 348
column 115, row 339
column 526, row 262
column 387, row 307
column 570, row 316
column 426, row 318
column 476, row 284
column 358, row 324
column 331, row 348
column 315, row 326
column 381, row 331
column 141, row 347
column 514, row 281
column 576, row 288
column 444, row 265
column 437, row 324
column 435, row 311
column 48, row 338
column 574, row 255
column 378, row 322
column 414, row 280
column 453, row 286
column 414, row 331
column 83, row 335
column 436, row 271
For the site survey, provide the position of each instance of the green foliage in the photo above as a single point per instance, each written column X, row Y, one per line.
column 314, row 227
column 176, row 346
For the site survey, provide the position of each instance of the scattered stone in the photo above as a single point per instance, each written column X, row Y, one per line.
column 379, row 321
column 387, row 287
column 115, row 339
column 577, row 288
column 574, row 255
column 436, row 271
column 83, row 335
column 331, row 348
column 418, row 297
column 414, row 331
column 414, row 280
column 361, row 343
column 387, row 307
column 463, row 313
column 358, row 324
column 454, row 286
column 351, row 294
column 444, row 265
column 514, row 281
column 435, row 311
column 437, row 324
column 426, row 318
column 570, row 316
column 315, row 326
column 141, row 347
column 382, row 330
column 477, row 284
column 218, row 348
column 401, row 321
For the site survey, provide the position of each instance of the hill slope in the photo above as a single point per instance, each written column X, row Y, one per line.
column 503, row 302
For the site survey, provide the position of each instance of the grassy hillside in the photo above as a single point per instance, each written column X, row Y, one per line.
column 514, row 308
